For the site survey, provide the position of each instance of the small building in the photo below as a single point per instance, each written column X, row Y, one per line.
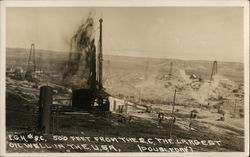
column 193, row 114
column 19, row 70
column 9, row 70
column 118, row 105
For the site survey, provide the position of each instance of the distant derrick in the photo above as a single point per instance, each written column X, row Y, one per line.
column 31, row 66
column 214, row 70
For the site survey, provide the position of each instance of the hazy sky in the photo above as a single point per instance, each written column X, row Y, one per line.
column 206, row 33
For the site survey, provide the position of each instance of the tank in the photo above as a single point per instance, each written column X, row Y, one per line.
column 45, row 104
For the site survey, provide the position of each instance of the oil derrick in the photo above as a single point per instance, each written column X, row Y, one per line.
column 214, row 70
column 31, row 67
column 39, row 67
column 102, row 96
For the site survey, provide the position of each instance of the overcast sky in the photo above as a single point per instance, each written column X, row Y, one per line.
column 204, row 33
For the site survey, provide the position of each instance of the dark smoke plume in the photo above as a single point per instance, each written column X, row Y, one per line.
column 80, row 69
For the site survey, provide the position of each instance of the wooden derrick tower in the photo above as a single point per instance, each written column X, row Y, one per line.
column 31, row 66
column 214, row 70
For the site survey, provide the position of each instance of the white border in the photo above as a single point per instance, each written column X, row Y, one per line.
column 246, row 75
column 2, row 78
column 124, row 3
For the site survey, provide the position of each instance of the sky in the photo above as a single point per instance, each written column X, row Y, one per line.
column 195, row 33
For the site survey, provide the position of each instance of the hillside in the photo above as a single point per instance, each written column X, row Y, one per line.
column 219, row 102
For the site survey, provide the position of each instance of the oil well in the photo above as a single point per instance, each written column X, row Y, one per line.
column 87, row 97
column 93, row 97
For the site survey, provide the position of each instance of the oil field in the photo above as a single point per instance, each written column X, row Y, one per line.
column 89, row 101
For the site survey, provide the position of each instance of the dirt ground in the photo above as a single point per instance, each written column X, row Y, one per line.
column 230, row 131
